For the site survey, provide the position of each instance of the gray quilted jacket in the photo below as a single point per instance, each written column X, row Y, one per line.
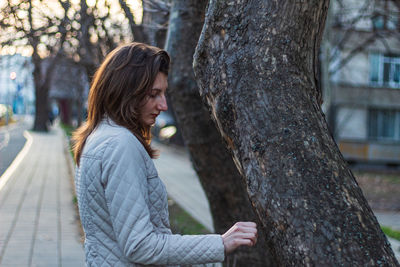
column 124, row 210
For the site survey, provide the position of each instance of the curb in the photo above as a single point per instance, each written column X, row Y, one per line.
column 71, row 174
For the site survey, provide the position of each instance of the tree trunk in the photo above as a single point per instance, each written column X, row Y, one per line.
column 41, row 97
column 42, row 76
column 154, row 22
column 256, row 67
column 88, row 57
column 41, row 110
column 212, row 161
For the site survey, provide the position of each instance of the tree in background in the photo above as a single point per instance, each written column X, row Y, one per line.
column 224, row 187
column 103, row 26
column 75, row 30
column 155, row 21
column 24, row 24
column 257, row 67
column 99, row 28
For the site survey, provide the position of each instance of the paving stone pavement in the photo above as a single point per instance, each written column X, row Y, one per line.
column 38, row 222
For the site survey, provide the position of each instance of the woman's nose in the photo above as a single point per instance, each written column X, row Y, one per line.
column 162, row 104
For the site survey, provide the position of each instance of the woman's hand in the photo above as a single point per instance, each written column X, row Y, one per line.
column 241, row 233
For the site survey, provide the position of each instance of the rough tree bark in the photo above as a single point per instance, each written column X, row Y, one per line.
column 256, row 67
column 212, row 161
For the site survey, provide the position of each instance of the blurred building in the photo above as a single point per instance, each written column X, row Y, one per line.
column 16, row 83
column 362, row 98
column 68, row 90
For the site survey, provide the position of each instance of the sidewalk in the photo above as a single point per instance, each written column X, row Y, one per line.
column 176, row 171
column 38, row 222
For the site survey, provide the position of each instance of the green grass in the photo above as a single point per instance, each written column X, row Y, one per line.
column 391, row 232
column 182, row 223
column 68, row 129
column 386, row 177
column 392, row 178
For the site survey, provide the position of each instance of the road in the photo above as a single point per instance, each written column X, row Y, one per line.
column 12, row 141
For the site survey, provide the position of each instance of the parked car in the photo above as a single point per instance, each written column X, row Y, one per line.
column 165, row 127
column 4, row 117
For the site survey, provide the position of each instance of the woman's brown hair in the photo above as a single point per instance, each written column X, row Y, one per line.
column 119, row 86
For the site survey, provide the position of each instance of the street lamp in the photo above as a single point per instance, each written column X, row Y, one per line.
column 13, row 76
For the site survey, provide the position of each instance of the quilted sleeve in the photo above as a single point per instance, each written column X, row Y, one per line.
column 125, row 182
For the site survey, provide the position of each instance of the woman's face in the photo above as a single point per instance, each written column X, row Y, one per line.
column 156, row 101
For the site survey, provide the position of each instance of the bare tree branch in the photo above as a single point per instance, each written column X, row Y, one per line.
column 136, row 30
column 157, row 6
column 353, row 52
column 349, row 29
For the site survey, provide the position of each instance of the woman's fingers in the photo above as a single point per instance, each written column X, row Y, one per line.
column 250, row 236
column 242, row 233
column 244, row 227
column 247, row 224
column 248, row 230
column 244, row 236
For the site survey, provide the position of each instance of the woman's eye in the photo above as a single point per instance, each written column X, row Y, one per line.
column 155, row 93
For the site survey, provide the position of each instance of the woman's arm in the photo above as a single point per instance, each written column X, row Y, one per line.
column 125, row 181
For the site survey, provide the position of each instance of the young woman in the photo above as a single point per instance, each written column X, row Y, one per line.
column 122, row 201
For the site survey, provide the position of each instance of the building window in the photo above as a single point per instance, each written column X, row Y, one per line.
column 378, row 22
column 384, row 22
column 385, row 70
column 384, row 125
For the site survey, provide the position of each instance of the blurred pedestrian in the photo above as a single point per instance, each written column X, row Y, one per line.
column 122, row 201
column 51, row 116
